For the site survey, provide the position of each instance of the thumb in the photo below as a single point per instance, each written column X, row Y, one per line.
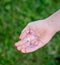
column 24, row 32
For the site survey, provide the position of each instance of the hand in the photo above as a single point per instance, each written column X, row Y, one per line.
column 43, row 32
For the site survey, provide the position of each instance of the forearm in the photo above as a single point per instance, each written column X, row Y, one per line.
column 54, row 20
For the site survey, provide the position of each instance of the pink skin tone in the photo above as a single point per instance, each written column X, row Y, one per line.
column 43, row 30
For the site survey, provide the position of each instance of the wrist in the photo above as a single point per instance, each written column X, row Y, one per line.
column 54, row 21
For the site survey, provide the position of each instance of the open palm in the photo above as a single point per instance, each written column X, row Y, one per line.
column 43, row 32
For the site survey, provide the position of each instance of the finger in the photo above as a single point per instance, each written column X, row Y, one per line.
column 24, row 32
column 27, row 44
column 31, row 49
column 19, row 43
column 22, row 46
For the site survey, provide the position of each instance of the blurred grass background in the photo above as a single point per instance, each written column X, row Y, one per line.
column 14, row 16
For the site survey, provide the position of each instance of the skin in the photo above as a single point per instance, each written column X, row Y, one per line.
column 44, row 30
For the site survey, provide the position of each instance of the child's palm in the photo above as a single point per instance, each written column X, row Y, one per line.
column 41, row 30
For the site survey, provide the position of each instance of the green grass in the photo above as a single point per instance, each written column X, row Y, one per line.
column 14, row 16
